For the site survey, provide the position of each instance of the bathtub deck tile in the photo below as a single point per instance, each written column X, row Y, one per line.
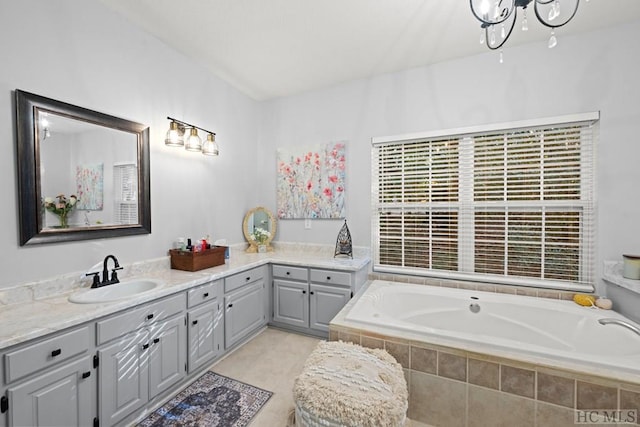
column 557, row 390
column 371, row 342
column 349, row 337
column 630, row 400
column 595, row 396
column 491, row 408
column 548, row 415
column 399, row 351
column 517, row 381
column 483, row 373
column 437, row 401
column 424, row 360
column 452, row 366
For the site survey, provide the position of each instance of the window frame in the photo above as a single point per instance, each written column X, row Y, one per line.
column 586, row 202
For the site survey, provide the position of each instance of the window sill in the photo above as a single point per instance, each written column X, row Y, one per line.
column 612, row 273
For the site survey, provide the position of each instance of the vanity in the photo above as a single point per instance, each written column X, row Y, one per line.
column 109, row 363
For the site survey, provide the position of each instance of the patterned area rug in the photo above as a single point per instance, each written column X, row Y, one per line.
column 211, row 400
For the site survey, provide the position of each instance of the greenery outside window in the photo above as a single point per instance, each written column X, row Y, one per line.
column 510, row 203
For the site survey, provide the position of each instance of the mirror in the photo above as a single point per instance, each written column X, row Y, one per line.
column 81, row 174
column 259, row 228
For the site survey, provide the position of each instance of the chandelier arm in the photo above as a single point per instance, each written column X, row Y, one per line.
column 513, row 24
column 473, row 10
column 545, row 23
column 544, row 2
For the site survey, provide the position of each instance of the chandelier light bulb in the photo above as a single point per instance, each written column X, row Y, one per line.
column 525, row 24
column 174, row 137
column 482, row 31
column 484, row 7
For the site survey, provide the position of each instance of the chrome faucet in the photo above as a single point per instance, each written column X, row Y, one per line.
column 106, row 280
column 623, row 323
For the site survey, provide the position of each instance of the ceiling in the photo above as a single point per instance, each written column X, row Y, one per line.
column 275, row 48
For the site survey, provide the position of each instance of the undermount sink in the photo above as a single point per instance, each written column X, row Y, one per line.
column 115, row 292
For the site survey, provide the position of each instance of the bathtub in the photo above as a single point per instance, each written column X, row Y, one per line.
column 533, row 329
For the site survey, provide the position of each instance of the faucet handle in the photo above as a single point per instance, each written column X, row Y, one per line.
column 96, row 279
column 114, row 275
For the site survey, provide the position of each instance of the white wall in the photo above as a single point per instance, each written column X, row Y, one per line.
column 82, row 53
column 590, row 72
column 85, row 54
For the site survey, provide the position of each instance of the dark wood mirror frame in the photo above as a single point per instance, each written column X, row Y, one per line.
column 28, row 161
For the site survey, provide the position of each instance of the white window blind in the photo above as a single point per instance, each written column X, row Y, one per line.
column 512, row 204
column 125, row 176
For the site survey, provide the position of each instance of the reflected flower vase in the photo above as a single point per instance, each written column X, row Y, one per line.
column 64, row 221
column 262, row 248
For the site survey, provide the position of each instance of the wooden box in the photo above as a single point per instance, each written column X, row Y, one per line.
column 194, row 261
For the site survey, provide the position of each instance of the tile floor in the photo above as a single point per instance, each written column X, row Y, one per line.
column 272, row 360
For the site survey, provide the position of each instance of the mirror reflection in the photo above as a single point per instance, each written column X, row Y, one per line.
column 259, row 228
column 96, row 164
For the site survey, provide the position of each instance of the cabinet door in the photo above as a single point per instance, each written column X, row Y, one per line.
column 244, row 311
column 65, row 396
column 291, row 303
column 123, row 377
column 167, row 355
column 326, row 302
column 203, row 324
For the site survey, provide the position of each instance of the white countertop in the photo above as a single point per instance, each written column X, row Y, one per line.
column 612, row 273
column 36, row 309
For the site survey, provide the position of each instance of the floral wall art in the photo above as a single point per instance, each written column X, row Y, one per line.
column 89, row 180
column 311, row 181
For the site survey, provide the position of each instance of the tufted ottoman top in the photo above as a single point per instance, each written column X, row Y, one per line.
column 346, row 384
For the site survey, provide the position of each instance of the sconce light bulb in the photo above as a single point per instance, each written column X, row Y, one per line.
column 210, row 147
column 194, row 143
column 174, row 137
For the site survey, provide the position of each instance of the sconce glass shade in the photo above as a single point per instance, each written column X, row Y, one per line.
column 210, row 147
column 174, row 136
column 194, row 143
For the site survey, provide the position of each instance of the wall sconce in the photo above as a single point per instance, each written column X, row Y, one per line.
column 175, row 138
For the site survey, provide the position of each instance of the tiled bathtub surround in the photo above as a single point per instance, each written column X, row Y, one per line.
column 451, row 387
column 475, row 286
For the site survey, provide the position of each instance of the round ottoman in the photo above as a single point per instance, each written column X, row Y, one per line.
column 344, row 384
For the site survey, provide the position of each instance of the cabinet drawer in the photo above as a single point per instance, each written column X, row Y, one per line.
column 202, row 294
column 330, row 277
column 240, row 279
column 123, row 323
column 32, row 358
column 291, row 273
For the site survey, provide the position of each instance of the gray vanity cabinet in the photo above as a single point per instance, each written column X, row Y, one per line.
column 65, row 396
column 245, row 304
column 291, row 295
column 326, row 302
column 43, row 376
column 142, row 353
column 204, row 324
column 307, row 299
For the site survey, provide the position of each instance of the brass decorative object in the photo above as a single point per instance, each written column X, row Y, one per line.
column 344, row 245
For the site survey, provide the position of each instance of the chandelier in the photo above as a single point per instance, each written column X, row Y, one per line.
column 498, row 18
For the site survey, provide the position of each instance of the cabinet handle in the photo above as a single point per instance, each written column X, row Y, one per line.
column 145, row 346
column 156, row 340
column 328, row 277
column 86, row 374
column 304, row 292
column 288, row 273
column 56, row 352
column 195, row 322
column 4, row 404
column 230, row 305
column 149, row 316
column 248, row 278
column 206, row 294
column 311, row 292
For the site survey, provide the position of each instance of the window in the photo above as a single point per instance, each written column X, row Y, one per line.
column 125, row 177
column 509, row 203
